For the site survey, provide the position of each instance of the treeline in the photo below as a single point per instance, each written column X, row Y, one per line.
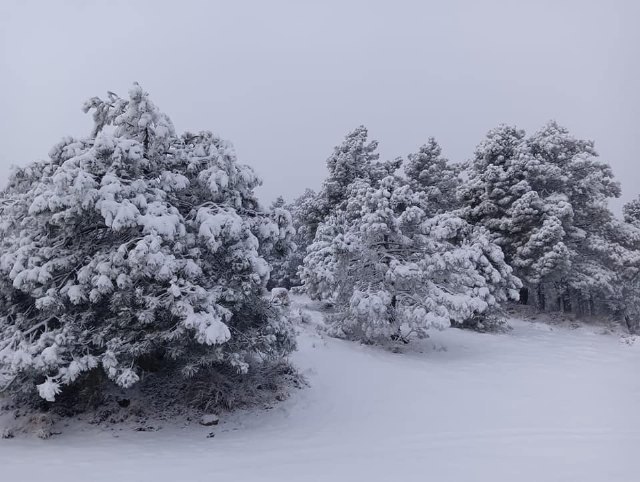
column 420, row 241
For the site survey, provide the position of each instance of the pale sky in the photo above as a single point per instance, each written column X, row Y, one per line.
column 285, row 80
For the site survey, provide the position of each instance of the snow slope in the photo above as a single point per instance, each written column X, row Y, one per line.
column 539, row 403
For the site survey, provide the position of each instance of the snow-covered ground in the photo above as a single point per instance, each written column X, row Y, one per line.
column 539, row 403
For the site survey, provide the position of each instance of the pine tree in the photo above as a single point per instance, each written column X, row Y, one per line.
column 350, row 160
column 280, row 253
column 433, row 174
column 560, row 163
column 134, row 244
column 355, row 158
column 631, row 212
column 625, row 260
column 543, row 198
column 392, row 270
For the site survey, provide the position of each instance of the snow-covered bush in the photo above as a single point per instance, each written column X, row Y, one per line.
column 392, row 270
column 133, row 248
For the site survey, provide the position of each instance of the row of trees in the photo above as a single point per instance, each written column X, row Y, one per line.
column 422, row 242
column 137, row 249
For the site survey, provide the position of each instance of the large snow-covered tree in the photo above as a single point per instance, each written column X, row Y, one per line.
column 544, row 199
column 392, row 270
column 134, row 244
column 498, row 195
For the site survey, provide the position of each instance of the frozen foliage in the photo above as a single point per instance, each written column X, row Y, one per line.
column 631, row 212
column 351, row 160
column 305, row 217
column 135, row 247
column 356, row 158
column 620, row 249
column 429, row 172
column 392, row 270
column 544, row 199
column 280, row 252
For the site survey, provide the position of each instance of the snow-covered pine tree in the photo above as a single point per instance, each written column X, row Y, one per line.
column 392, row 271
column 305, row 219
column 433, row 174
column 543, row 198
column 569, row 168
column 130, row 246
column 498, row 196
column 355, row 158
column 625, row 260
column 631, row 212
column 280, row 253
column 350, row 160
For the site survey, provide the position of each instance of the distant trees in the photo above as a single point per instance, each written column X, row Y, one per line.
column 134, row 247
column 279, row 251
column 542, row 199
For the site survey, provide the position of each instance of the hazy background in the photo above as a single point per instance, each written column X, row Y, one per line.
column 285, row 80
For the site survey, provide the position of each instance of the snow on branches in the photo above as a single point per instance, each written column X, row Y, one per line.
column 392, row 270
column 134, row 243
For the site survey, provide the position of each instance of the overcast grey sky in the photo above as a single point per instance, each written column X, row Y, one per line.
column 285, row 80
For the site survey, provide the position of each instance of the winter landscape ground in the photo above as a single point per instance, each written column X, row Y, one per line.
column 540, row 402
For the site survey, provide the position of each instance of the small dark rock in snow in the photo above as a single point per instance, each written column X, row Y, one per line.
column 124, row 402
column 149, row 428
column 209, row 419
column 211, row 435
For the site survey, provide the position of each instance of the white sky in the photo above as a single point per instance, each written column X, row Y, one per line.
column 285, row 80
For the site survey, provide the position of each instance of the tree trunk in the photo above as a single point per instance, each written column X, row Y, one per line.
column 542, row 302
column 524, row 295
column 633, row 325
column 566, row 300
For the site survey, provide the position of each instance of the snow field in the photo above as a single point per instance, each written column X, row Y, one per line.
column 539, row 403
